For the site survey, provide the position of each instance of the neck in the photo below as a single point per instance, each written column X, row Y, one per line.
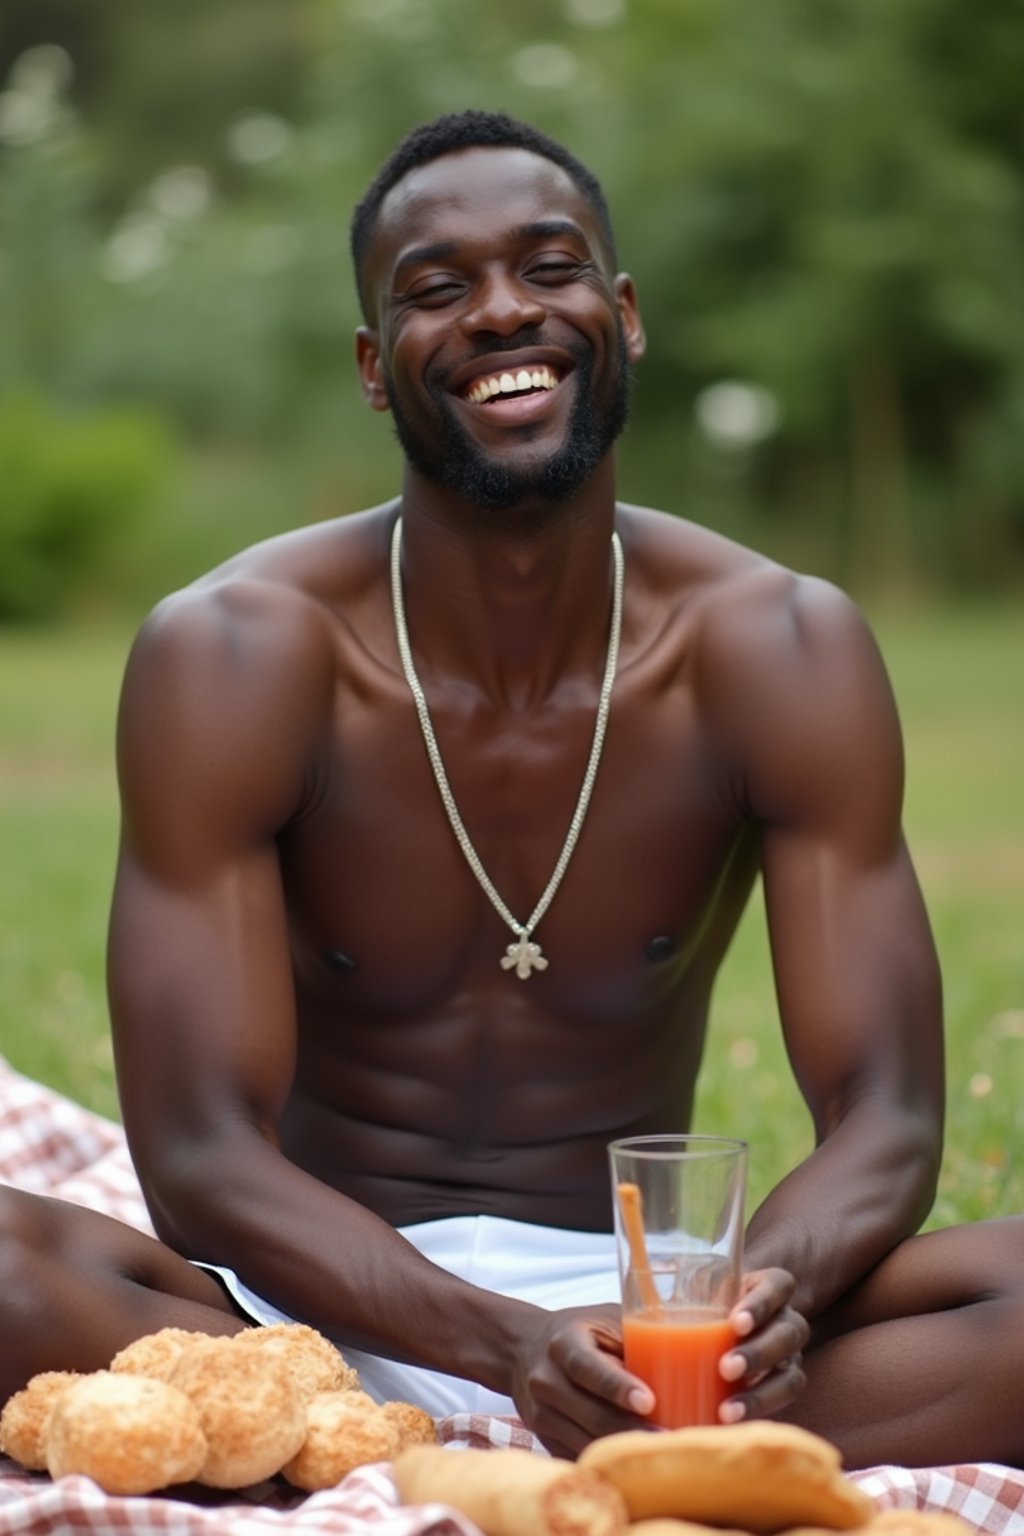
column 518, row 601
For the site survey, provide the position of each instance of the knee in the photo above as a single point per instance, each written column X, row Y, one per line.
column 26, row 1249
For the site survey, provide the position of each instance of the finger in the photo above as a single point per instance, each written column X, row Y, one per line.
column 575, row 1418
column 601, row 1376
column 769, row 1348
column 765, row 1292
column 772, row 1393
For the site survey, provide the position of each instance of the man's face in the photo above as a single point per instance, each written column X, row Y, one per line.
column 487, row 270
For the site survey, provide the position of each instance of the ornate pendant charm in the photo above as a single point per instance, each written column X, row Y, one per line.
column 524, row 956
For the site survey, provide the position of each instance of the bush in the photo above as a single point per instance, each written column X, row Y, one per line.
column 69, row 484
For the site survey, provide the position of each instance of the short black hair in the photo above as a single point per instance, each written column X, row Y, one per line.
column 447, row 135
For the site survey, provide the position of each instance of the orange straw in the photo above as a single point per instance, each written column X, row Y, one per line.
column 632, row 1220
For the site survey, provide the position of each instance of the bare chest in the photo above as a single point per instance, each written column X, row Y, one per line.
column 389, row 919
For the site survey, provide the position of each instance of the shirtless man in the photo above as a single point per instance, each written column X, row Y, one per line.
column 351, row 1055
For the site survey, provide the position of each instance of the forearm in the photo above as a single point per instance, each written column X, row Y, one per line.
column 329, row 1261
column 864, row 1189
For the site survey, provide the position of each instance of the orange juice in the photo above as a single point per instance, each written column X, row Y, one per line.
column 676, row 1351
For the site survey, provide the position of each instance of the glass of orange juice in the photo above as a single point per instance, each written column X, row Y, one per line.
column 679, row 1227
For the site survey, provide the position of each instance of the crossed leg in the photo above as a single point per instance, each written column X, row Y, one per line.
column 76, row 1286
column 922, row 1364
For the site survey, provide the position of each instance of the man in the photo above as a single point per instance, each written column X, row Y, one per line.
column 377, row 1012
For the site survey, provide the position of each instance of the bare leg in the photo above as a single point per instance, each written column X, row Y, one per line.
column 75, row 1287
column 923, row 1363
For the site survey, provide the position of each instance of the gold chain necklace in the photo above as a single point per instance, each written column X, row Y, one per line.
column 524, row 956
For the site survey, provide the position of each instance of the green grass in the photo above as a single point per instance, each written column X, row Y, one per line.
column 959, row 693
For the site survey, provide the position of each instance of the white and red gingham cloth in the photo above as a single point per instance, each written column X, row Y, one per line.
column 55, row 1147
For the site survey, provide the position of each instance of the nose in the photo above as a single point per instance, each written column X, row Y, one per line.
column 502, row 304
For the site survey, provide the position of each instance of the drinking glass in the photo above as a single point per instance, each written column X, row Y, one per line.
column 679, row 1227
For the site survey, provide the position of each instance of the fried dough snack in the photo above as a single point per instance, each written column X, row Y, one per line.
column 759, row 1477
column 25, row 1420
column 254, row 1397
column 340, row 1435
column 252, row 1413
column 155, row 1354
column 511, row 1492
column 313, row 1362
column 414, row 1425
column 128, row 1433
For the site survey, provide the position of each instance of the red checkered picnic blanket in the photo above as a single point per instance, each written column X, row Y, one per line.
column 55, row 1147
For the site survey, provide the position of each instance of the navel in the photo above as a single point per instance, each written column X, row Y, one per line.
column 337, row 961
column 662, row 948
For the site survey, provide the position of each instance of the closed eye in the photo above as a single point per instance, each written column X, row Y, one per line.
column 436, row 293
column 554, row 271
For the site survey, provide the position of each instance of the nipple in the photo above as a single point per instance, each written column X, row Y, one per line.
column 338, row 961
column 661, row 948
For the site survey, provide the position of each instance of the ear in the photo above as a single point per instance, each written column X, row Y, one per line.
column 632, row 325
column 371, row 371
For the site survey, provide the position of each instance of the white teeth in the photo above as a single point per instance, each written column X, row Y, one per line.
column 507, row 384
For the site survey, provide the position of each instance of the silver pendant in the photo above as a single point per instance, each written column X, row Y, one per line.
column 524, row 956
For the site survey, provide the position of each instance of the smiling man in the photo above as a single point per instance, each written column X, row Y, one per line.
column 437, row 823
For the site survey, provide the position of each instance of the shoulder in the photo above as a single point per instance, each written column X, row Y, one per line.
column 269, row 618
column 233, row 679
column 783, row 667
column 746, row 615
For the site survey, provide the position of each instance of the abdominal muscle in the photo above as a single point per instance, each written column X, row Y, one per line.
column 458, row 1131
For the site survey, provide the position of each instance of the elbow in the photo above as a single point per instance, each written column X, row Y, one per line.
column 919, row 1159
column 188, row 1202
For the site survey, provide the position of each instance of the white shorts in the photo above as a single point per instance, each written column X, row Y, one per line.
column 547, row 1266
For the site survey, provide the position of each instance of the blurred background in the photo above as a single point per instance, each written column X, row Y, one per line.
column 822, row 202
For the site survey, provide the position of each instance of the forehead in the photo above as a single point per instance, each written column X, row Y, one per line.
column 474, row 195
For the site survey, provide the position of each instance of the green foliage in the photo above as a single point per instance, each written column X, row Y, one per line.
column 69, row 486
column 822, row 202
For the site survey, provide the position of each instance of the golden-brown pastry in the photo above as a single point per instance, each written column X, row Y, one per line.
column 155, row 1354
column 414, row 1425
column 916, row 1522
column 512, row 1492
column 760, row 1477
column 340, row 1436
column 313, row 1361
column 130, row 1434
column 894, row 1522
column 25, row 1421
column 252, row 1413
column 665, row 1525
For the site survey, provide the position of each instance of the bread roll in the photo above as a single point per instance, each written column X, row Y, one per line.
column 130, row 1434
column 313, row 1362
column 414, row 1425
column 25, row 1421
column 512, row 1493
column 340, row 1436
column 760, row 1477
column 155, row 1354
column 253, row 1415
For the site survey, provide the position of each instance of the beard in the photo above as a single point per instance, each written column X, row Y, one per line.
column 451, row 459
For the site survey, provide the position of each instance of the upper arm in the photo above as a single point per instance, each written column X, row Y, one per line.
column 225, row 698
column 819, row 740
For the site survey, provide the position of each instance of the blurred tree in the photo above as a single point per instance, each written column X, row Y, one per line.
column 822, row 200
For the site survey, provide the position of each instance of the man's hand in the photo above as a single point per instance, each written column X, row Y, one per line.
column 569, row 1383
column 767, row 1362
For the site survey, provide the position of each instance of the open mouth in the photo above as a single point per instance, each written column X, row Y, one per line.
column 516, row 385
